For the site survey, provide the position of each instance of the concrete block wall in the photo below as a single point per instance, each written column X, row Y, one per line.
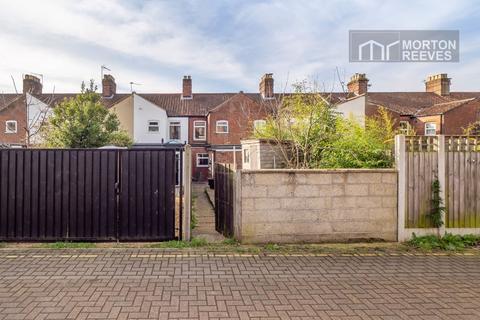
column 292, row 206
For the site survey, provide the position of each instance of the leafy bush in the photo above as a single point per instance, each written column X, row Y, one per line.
column 447, row 242
column 307, row 121
column 83, row 122
column 319, row 137
column 361, row 146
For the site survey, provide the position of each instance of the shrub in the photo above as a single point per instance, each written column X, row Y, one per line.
column 447, row 242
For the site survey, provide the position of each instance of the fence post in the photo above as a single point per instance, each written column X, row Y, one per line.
column 400, row 164
column 237, row 205
column 442, row 177
column 187, row 193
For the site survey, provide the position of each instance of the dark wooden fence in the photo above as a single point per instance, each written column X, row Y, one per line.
column 224, row 198
column 87, row 194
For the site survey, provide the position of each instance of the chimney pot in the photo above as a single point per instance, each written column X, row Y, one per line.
column 32, row 84
column 358, row 84
column 109, row 87
column 438, row 84
column 266, row 86
column 187, row 87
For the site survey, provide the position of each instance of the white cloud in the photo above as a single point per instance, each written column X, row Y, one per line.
column 225, row 45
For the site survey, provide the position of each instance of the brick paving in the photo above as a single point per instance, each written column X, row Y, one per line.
column 159, row 284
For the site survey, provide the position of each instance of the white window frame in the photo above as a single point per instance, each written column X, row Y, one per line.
column 11, row 131
column 203, row 156
column 221, row 123
column 246, row 155
column 407, row 127
column 149, row 125
column 434, row 128
column 259, row 123
column 195, row 126
column 178, row 124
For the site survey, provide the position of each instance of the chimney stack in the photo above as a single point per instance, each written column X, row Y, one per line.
column 187, row 87
column 358, row 84
column 109, row 87
column 32, row 84
column 266, row 86
column 438, row 84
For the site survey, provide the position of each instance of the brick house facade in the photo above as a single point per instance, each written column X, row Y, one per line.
column 437, row 110
column 231, row 122
column 13, row 119
column 216, row 122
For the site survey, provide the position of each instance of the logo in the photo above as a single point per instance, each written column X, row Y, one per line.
column 404, row 46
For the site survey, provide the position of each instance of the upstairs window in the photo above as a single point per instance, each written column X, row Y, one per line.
column 202, row 159
column 174, row 130
column 199, row 130
column 222, row 126
column 430, row 129
column 259, row 124
column 404, row 127
column 11, row 126
column 153, row 126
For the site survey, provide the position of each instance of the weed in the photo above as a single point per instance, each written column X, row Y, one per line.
column 180, row 244
column 193, row 215
column 448, row 242
column 272, row 247
column 69, row 245
column 230, row 242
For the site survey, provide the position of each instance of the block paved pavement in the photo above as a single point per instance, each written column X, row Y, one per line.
column 162, row 284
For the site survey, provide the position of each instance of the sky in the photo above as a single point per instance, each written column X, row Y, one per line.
column 226, row 46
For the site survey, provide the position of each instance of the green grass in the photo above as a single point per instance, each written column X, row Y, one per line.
column 69, row 245
column 448, row 242
column 230, row 242
column 180, row 244
column 272, row 247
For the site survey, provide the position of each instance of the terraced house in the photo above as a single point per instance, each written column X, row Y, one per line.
column 214, row 123
column 436, row 110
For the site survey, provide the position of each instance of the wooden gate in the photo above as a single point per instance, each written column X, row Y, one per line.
column 224, row 198
column 88, row 194
column 147, row 199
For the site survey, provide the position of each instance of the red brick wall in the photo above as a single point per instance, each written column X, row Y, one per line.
column 419, row 124
column 239, row 111
column 461, row 117
column 227, row 157
column 16, row 111
column 372, row 111
column 191, row 131
column 199, row 173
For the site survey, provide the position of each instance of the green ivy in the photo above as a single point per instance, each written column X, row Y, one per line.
column 437, row 209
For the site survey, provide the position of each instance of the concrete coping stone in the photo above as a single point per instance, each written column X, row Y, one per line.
column 388, row 170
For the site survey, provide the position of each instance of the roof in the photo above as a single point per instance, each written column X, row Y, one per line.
column 6, row 99
column 441, row 108
column 199, row 105
column 55, row 98
column 419, row 103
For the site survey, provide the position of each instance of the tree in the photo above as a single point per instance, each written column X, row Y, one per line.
column 319, row 137
column 361, row 146
column 306, row 120
column 83, row 122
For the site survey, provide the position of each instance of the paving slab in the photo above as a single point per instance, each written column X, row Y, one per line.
column 166, row 284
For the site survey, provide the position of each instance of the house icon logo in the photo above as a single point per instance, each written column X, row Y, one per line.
column 374, row 46
column 371, row 45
